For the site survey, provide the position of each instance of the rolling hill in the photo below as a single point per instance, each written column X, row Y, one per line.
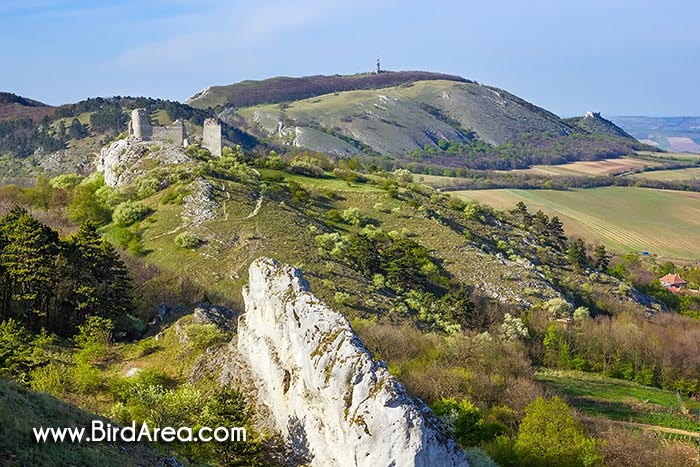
column 390, row 113
column 13, row 106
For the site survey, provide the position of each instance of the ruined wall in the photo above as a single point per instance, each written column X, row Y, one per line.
column 211, row 136
column 174, row 134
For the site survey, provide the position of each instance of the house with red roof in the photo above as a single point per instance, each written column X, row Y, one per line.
column 673, row 282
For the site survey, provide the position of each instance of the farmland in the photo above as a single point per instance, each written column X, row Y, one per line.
column 671, row 175
column 666, row 223
column 604, row 167
column 600, row 396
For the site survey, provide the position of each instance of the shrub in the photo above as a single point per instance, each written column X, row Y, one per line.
column 513, row 328
column 203, row 336
column 128, row 213
column 549, row 435
column 353, row 216
column 403, row 175
column 86, row 378
column 341, row 298
column 187, row 240
column 477, row 457
column 48, row 379
column 462, row 419
column 306, row 166
column 66, row 181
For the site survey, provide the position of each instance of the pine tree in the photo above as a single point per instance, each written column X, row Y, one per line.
column 521, row 214
column 556, row 231
column 601, row 258
column 100, row 282
column 29, row 257
column 576, row 254
column 541, row 222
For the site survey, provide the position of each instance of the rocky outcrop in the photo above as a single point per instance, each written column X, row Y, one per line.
column 206, row 313
column 201, row 204
column 325, row 393
column 125, row 160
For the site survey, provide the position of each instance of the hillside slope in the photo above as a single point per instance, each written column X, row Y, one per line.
column 595, row 124
column 357, row 115
column 14, row 106
column 22, row 409
column 285, row 89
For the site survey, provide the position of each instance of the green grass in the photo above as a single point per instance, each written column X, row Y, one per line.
column 22, row 409
column 684, row 156
column 671, row 175
column 599, row 396
column 662, row 222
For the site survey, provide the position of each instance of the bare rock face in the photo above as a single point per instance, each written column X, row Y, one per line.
column 326, row 395
column 125, row 160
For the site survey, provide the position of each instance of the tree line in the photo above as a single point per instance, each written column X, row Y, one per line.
column 53, row 283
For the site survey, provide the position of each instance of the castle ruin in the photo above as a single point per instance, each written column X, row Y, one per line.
column 211, row 136
column 140, row 129
column 140, row 125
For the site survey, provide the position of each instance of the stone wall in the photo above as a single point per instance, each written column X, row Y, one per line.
column 174, row 134
column 140, row 129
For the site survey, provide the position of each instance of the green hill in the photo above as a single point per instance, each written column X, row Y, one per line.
column 595, row 124
column 14, row 106
column 22, row 409
column 450, row 120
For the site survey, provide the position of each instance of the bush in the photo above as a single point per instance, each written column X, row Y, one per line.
column 203, row 336
column 86, row 378
column 477, row 457
column 462, row 419
column 341, row 298
column 549, row 435
column 353, row 216
column 187, row 240
column 48, row 379
column 128, row 213
column 66, row 181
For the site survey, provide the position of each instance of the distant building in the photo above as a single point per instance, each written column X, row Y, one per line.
column 211, row 136
column 140, row 129
column 673, row 281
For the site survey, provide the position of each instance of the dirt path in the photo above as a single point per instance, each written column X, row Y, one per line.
column 644, row 426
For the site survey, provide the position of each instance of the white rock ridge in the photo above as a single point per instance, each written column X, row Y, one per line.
column 125, row 160
column 325, row 393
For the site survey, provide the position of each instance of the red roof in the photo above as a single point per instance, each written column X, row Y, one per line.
column 672, row 279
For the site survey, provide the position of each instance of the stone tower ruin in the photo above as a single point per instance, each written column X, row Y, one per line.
column 140, row 129
column 211, row 136
column 140, row 125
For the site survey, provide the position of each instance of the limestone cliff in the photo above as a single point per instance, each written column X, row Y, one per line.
column 124, row 160
column 325, row 393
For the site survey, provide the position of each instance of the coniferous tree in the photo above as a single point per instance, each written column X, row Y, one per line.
column 29, row 259
column 101, row 283
column 601, row 258
column 576, row 254
column 521, row 214
column 556, row 231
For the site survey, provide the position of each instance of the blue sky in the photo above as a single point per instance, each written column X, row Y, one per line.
column 621, row 57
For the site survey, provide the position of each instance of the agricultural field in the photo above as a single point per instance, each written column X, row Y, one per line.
column 603, row 167
column 669, row 155
column 666, row 223
column 670, row 175
column 599, row 396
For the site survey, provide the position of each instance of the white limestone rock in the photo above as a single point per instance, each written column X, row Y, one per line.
column 123, row 160
column 325, row 393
